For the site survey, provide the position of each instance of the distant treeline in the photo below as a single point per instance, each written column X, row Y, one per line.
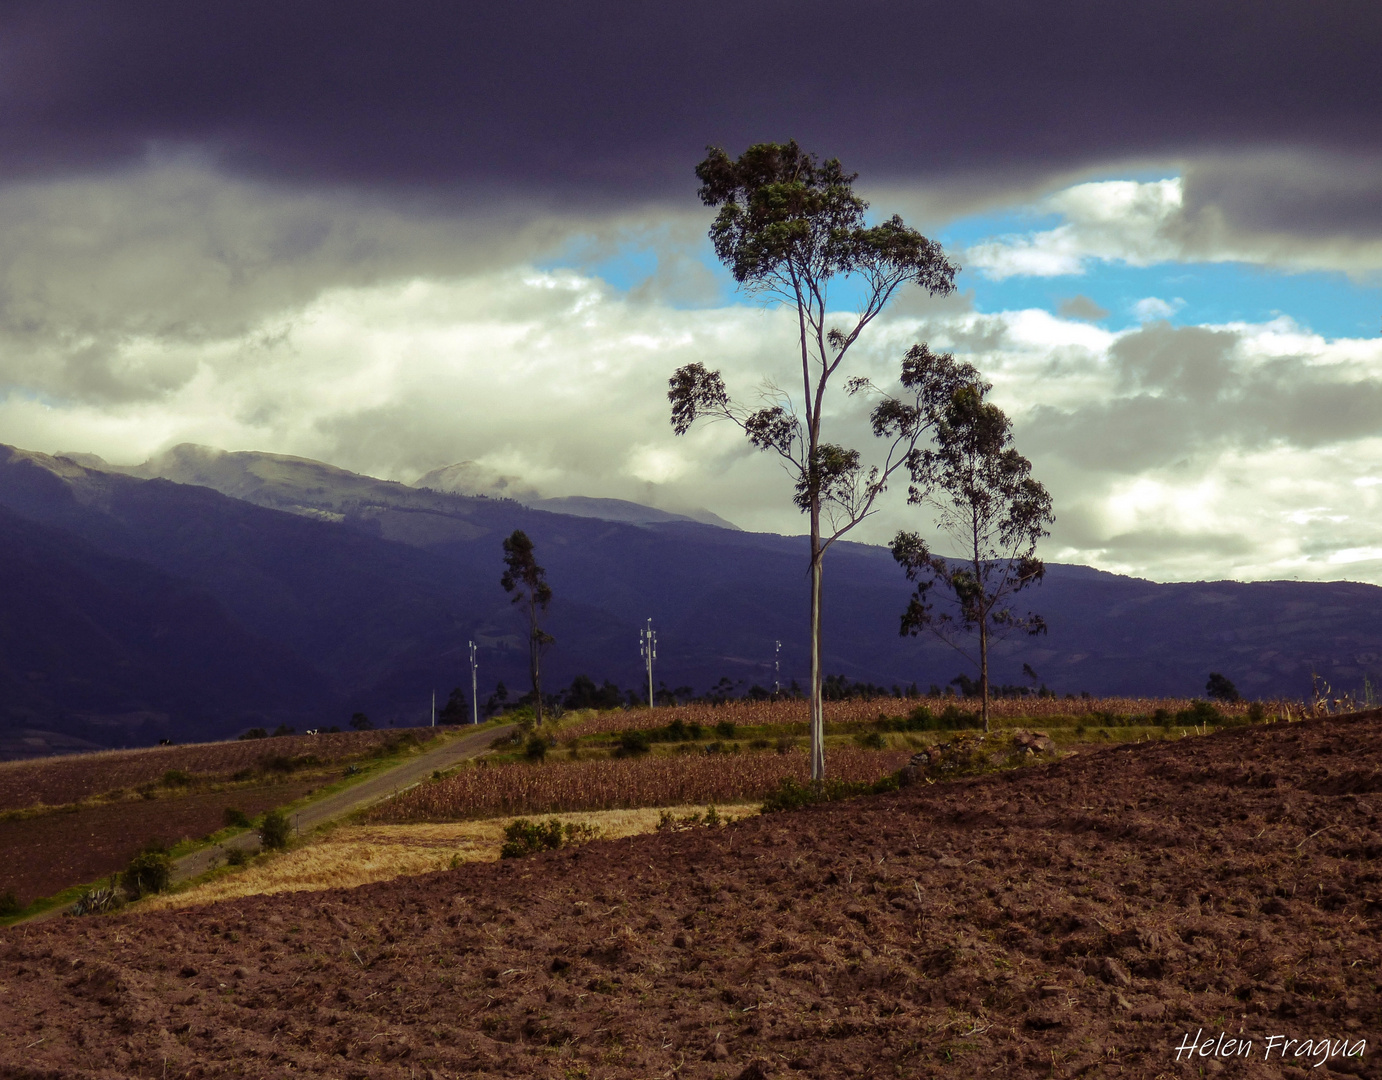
column 584, row 693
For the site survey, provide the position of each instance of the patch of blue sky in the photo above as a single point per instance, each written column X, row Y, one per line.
column 1329, row 304
column 635, row 259
column 965, row 232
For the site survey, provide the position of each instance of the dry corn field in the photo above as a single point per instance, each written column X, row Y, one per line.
column 614, row 783
column 755, row 713
column 356, row 855
column 61, row 780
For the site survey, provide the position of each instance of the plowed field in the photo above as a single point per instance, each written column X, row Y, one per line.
column 44, row 855
column 1077, row 919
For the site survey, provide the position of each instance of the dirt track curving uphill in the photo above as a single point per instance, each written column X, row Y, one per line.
column 358, row 796
column 1081, row 918
column 323, row 810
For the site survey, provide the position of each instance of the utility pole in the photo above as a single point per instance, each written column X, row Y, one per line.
column 777, row 669
column 474, row 701
column 434, row 708
column 647, row 648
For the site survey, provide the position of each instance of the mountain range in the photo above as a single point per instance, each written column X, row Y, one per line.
column 205, row 592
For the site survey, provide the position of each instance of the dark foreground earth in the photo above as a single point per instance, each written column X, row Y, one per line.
column 1079, row 918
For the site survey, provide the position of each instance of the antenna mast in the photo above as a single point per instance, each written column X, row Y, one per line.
column 647, row 648
column 474, row 701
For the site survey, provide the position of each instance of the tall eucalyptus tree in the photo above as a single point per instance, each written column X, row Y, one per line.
column 788, row 228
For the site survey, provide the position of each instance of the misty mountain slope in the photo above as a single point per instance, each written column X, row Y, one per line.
column 415, row 514
column 622, row 510
column 346, row 601
column 101, row 640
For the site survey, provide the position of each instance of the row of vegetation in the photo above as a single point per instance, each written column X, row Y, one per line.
column 619, row 783
column 938, row 714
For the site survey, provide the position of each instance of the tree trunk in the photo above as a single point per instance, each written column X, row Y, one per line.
column 817, row 705
column 534, row 660
column 983, row 605
column 984, row 669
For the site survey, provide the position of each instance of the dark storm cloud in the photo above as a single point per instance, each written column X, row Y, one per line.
column 590, row 102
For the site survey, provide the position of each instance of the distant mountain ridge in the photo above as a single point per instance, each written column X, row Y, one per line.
column 270, row 586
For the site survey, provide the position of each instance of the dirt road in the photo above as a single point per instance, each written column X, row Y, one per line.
column 336, row 805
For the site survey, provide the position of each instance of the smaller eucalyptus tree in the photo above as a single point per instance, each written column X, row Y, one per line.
column 989, row 504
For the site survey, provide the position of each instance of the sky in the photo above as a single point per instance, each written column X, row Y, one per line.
column 398, row 236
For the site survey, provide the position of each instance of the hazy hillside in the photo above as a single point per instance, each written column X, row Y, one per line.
column 113, row 644
column 365, row 593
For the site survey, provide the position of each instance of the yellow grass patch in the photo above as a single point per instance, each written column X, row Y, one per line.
column 354, row 855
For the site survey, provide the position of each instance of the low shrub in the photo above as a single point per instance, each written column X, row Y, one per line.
column 1200, row 713
column 97, row 901
column 536, row 748
column 274, row 831
column 793, row 794
column 669, row 822
column 148, row 872
column 9, row 904
column 236, row 856
column 235, row 819
column 175, row 778
column 524, row 837
column 255, row 733
column 632, row 744
column 870, row 740
column 677, row 731
column 725, row 729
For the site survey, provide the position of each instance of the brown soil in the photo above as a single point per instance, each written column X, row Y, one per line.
column 45, row 854
column 1070, row 919
column 61, row 780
